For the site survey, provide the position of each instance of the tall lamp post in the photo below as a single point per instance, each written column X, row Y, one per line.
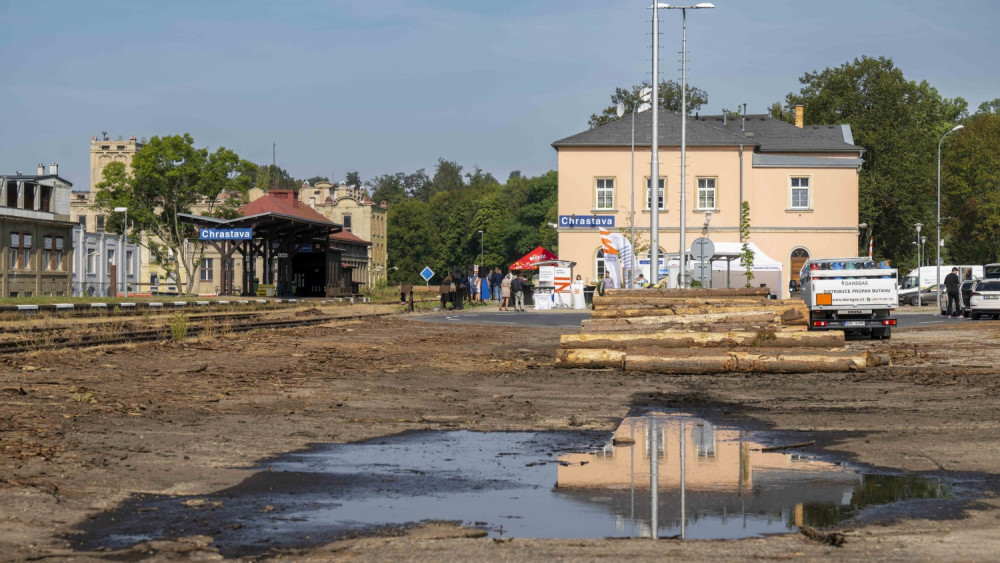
column 121, row 251
column 923, row 239
column 918, row 226
column 937, row 242
column 481, row 235
column 655, row 174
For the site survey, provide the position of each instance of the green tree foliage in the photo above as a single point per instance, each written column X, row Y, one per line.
column 992, row 106
column 171, row 176
column 970, row 191
column 512, row 216
column 353, row 179
column 315, row 179
column 448, row 176
column 268, row 176
column 746, row 253
column 898, row 122
column 669, row 99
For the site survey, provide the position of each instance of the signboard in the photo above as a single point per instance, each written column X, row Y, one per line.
column 561, row 277
column 282, row 255
column 702, row 249
column 546, row 276
column 427, row 273
column 607, row 221
column 703, row 273
column 225, row 234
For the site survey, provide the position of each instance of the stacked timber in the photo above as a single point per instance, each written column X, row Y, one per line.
column 702, row 331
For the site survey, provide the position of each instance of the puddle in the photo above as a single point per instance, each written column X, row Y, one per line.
column 714, row 481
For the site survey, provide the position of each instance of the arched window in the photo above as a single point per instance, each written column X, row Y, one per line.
column 599, row 265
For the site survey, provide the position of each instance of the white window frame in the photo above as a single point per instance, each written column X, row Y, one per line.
column 663, row 194
column 91, row 260
column 604, row 188
column 703, row 188
column 792, row 189
column 206, row 272
column 599, row 270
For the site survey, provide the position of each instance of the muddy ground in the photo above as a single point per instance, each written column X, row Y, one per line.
column 81, row 430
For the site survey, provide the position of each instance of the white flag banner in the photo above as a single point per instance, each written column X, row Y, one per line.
column 617, row 251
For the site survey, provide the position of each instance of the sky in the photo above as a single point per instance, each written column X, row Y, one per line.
column 380, row 87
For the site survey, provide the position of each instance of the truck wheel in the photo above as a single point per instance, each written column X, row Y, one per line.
column 915, row 301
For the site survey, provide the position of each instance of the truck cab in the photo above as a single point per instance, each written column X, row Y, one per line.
column 850, row 294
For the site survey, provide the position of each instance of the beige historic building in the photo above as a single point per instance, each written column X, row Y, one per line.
column 36, row 235
column 801, row 184
column 351, row 207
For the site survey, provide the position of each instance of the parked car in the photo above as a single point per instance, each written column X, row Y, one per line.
column 985, row 298
column 926, row 297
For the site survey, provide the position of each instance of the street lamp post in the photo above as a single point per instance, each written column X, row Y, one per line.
column 918, row 226
column 923, row 239
column 121, row 251
column 683, row 210
column 937, row 242
column 481, row 235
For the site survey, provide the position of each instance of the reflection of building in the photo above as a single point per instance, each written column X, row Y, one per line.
column 351, row 207
column 36, row 233
column 725, row 480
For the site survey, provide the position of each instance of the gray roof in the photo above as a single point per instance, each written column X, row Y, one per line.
column 773, row 135
column 35, row 177
column 762, row 132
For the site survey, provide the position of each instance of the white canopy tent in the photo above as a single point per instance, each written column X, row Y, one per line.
column 727, row 271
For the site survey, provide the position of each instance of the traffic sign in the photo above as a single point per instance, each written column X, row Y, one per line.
column 703, row 273
column 702, row 249
column 427, row 273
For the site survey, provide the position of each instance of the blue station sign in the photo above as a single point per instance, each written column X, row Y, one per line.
column 225, row 234
column 587, row 221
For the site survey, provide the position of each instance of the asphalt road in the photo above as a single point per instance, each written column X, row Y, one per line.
column 908, row 317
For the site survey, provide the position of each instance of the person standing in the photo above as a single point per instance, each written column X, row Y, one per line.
column 517, row 290
column 505, row 293
column 497, row 281
column 484, row 287
column 952, row 285
column 445, row 290
column 475, row 289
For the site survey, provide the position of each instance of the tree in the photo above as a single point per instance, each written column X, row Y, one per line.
column 448, row 176
column 992, row 106
column 353, row 179
column 315, row 179
column 898, row 122
column 746, row 253
column 669, row 99
column 169, row 177
column 268, row 176
column 413, row 240
column 970, row 191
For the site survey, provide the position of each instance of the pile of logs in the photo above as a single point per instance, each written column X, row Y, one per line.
column 699, row 331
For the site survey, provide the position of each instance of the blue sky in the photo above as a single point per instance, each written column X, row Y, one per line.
column 391, row 86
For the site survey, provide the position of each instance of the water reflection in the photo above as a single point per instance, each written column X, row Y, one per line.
column 660, row 474
column 682, row 476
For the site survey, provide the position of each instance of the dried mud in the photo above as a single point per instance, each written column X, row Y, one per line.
column 82, row 430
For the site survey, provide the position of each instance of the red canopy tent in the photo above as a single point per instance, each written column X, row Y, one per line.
column 529, row 260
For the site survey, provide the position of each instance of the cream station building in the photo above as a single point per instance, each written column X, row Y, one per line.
column 801, row 183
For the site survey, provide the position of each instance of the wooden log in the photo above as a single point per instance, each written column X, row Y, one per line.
column 588, row 326
column 789, row 313
column 682, row 320
column 715, row 292
column 590, row 359
column 653, row 302
column 743, row 362
column 686, row 339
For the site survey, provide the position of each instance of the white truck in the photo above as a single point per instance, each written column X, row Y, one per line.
column 850, row 294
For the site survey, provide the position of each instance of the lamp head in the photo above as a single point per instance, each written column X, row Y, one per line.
column 703, row 5
column 957, row 127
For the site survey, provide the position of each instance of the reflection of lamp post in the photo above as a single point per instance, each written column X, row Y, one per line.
column 937, row 264
column 121, row 257
column 683, row 220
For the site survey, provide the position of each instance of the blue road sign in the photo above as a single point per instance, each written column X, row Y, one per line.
column 427, row 273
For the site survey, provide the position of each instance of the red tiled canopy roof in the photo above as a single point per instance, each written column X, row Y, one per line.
column 282, row 202
column 348, row 236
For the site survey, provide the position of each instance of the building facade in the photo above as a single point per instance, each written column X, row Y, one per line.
column 352, row 207
column 801, row 184
column 103, row 265
column 37, row 249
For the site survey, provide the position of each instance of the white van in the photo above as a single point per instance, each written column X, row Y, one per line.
column 923, row 277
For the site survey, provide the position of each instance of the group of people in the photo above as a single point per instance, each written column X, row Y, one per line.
column 506, row 290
